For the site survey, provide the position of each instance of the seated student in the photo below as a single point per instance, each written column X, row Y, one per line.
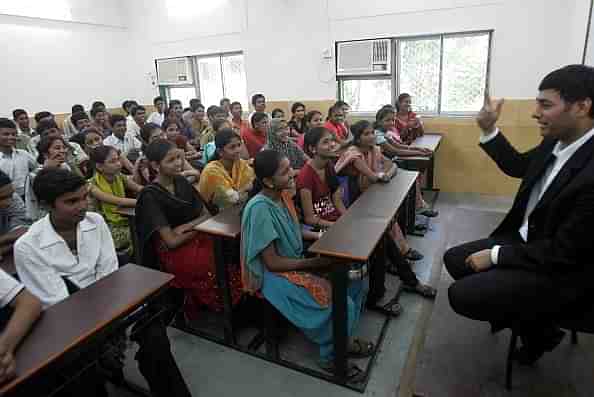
column 24, row 130
column 278, row 139
column 143, row 175
column 108, row 188
column 210, row 148
column 198, row 124
column 227, row 179
column 167, row 211
column 346, row 108
column 335, row 124
column 138, row 120
column 188, row 113
column 384, row 124
column 71, row 248
column 76, row 158
column 25, row 309
column 238, row 124
column 101, row 121
column 408, row 123
column 277, row 114
column 126, row 142
column 312, row 119
column 364, row 163
column 173, row 134
column 273, row 263
column 297, row 122
column 259, row 104
column 80, row 121
column 41, row 118
column 225, row 104
column 16, row 163
column 127, row 106
column 44, row 115
column 255, row 137
column 68, row 127
column 13, row 217
column 92, row 139
column 176, row 106
column 158, row 116
column 213, row 113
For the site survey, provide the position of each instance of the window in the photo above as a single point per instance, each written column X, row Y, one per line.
column 215, row 77
column 445, row 74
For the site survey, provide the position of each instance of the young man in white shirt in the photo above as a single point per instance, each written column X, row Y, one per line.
column 122, row 140
column 259, row 104
column 138, row 120
column 158, row 116
column 72, row 246
column 16, row 163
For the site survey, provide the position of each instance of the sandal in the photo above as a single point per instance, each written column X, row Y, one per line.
column 360, row 348
column 354, row 373
column 392, row 268
column 424, row 290
column 413, row 255
column 428, row 212
column 392, row 308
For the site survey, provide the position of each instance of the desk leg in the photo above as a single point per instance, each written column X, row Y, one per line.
column 339, row 321
column 430, row 170
column 223, row 283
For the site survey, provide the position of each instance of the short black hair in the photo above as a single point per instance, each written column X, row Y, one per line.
column 194, row 102
column 257, row 117
column 157, row 150
column 77, row 108
column 116, row 118
column 147, row 129
column 4, row 179
column 572, row 82
column 276, row 111
column 45, row 125
column 51, row 183
column 99, row 154
column 96, row 110
column 214, row 110
column 78, row 116
column 135, row 110
column 234, row 103
column 157, row 99
column 255, row 97
column 17, row 112
column 44, row 144
column 7, row 123
column 97, row 104
column 174, row 102
column 125, row 104
column 223, row 100
column 296, row 106
column 41, row 115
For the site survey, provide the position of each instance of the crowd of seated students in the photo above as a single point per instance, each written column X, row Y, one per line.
column 176, row 168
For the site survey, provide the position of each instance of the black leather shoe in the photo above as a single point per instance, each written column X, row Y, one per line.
column 531, row 353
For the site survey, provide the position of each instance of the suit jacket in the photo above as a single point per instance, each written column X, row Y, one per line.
column 561, row 226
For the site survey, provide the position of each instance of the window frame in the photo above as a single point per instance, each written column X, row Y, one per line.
column 395, row 69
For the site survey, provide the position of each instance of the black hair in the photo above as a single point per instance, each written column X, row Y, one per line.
column 257, row 117
column 98, row 104
column 218, row 123
column 333, row 109
column 125, row 104
column 99, row 154
column 174, row 102
column 255, row 97
column 296, row 106
column 341, row 104
column 135, row 110
column 17, row 112
column 166, row 123
column 194, row 102
column 200, row 106
column 7, row 123
column 266, row 164
column 573, row 83
column 91, row 130
column 79, row 138
column 157, row 150
column 223, row 100
column 312, row 138
column 275, row 111
column 44, row 144
column 78, row 116
column 77, row 108
column 4, row 179
column 115, row 118
column 222, row 139
column 309, row 115
column 41, row 115
column 96, row 110
column 214, row 110
column 147, row 129
column 380, row 115
column 357, row 130
column 234, row 103
column 157, row 99
column 402, row 97
column 51, row 183
column 45, row 125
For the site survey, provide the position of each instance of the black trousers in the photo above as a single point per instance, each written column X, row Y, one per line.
column 525, row 300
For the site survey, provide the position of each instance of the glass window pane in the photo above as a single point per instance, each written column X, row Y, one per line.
column 184, row 94
column 464, row 72
column 419, row 72
column 211, row 80
column 367, row 95
column 234, row 79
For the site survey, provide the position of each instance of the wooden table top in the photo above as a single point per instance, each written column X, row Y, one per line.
column 68, row 324
column 356, row 233
column 7, row 264
column 126, row 211
column 429, row 140
column 226, row 223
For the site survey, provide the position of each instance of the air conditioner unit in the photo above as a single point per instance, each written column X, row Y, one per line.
column 174, row 71
column 367, row 57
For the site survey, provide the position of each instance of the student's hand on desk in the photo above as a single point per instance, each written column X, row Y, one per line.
column 7, row 363
column 489, row 114
column 480, row 261
column 426, row 151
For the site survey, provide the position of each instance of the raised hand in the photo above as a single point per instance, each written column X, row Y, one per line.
column 489, row 114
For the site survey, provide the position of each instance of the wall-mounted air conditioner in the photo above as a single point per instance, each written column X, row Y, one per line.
column 175, row 71
column 367, row 57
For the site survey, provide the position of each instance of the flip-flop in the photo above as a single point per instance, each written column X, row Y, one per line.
column 424, row 290
column 413, row 255
column 360, row 348
column 392, row 308
column 354, row 373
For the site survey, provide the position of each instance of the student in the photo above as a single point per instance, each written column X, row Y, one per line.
column 255, row 137
column 138, row 119
column 335, row 124
column 101, row 121
column 312, row 119
column 259, row 104
column 68, row 127
column 227, row 179
column 365, row 164
column 158, row 116
column 150, row 132
column 127, row 106
column 13, row 217
column 71, row 247
column 80, row 121
column 16, row 163
column 188, row 113
column 408, row 123
column 92, row 139
column 76, row 158
column 297, row 122
column 277, row 114
column 42, row 116
column 213, row 113
column 225, row 104
column 346, row 108
column 238, row 124
column 176, row 106
column 210, row 149
column 173, row 134
column 19, row 309
column 21, row 119
column 99, row 105
column 167, row 211
column 123, row 140
column 199, row 124
column 278, row 139
column 273, row 263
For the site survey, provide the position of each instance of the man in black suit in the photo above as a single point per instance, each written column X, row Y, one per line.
column 537, row 266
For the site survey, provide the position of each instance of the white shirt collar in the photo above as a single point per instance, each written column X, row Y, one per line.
column 564, row 153
column 48, row 235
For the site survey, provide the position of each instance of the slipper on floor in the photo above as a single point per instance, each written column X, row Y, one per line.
column 424, row 290
column 354, row 373
column 413, row 255
column 360, row 348
column 392, row 308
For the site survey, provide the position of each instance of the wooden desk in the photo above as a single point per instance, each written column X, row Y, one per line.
column 71, row 323
column 226, row 224
column 429, row 141
column 353, row 238
column 7, row 264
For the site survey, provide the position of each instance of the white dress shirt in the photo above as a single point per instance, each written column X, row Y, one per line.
column 124, row 145
column 562, row 153
column 9, row 288
column 17, row 166
column 156, row 118
column 42, row 257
